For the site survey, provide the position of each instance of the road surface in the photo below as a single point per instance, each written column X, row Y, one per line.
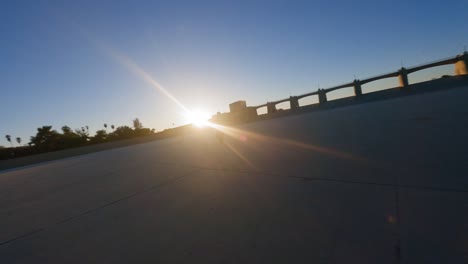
column 383, row 182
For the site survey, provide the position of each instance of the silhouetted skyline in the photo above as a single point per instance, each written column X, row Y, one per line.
column 55, row 71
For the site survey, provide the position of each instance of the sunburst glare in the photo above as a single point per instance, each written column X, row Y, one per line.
column 198, row 118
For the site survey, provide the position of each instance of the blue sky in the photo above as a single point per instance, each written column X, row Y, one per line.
column 58, row 65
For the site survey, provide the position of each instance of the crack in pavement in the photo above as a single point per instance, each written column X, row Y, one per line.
column 408, row 186
column 415, row 187
column 159, row 185
column 199, row 168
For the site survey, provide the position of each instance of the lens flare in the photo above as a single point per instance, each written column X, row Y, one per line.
column 198, row 118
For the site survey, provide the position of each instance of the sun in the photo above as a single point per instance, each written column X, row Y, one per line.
column 199, row 118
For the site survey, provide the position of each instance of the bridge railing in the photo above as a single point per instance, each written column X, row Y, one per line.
column 461, row 68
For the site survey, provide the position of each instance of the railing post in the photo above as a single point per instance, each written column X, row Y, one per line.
column 403, row 78
column 294, row 103
column 322, row 96
column 357, row 88
column 461, row 66
column 271, row 108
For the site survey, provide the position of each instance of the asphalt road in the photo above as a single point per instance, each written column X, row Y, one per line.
column 383, row 182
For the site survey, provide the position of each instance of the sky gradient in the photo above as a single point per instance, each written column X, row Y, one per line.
column 73, row 62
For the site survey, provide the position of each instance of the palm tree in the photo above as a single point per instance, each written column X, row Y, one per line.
column 18, row 139
column 8, row 138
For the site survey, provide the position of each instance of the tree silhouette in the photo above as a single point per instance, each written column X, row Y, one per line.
column 83, row 134
column 122, row 132
column 67, row 130
column 46, row 138
column 137, row 124
column 8, row 138
column 101, row 136
column 70, row 139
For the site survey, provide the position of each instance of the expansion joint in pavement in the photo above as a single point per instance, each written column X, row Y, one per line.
column 92, row 210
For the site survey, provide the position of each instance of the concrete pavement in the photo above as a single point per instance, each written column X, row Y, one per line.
column 349, row 185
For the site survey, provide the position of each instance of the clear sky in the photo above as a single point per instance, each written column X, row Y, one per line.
column 61, row 61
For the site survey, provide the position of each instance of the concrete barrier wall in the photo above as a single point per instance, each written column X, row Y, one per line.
column 460, row 63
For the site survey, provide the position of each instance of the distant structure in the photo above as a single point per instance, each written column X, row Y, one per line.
column 238, row 113
column 241, row 113
column 237, row 106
